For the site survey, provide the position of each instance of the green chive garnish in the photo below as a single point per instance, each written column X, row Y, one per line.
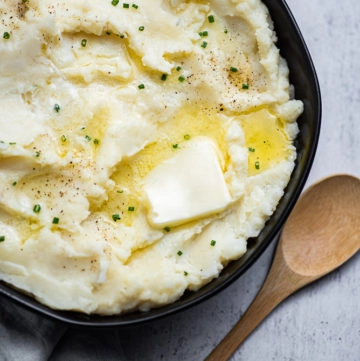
column 37, row 208
column 135, row 6
column 175, row 146
column 212, row 243
column 204, row 44
column 63, row 138
column 245, row 86
column 257, row 165
column 167, row 229
column 163, row 77
column 83, row 43
column 87, row 138
column 6, row 35
column 2, row 238
column 114, row 2
column 141, row 28
column 187, row 136
column 179, row 253
column 116, row 217
column 126, row 5
column 57, row 108
column 233, row 69
column 141, row 86
column 186, row 273
column 131, row 209
column 55, row 220
column 181, row 78
column 252, row 150
column 211, row 18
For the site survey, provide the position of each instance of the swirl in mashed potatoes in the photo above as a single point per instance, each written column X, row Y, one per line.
column 141, row 145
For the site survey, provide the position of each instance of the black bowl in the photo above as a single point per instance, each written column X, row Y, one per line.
column 303, row 77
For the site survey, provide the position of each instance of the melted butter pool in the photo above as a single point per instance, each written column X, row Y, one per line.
column 173, row 135
column 266, row 139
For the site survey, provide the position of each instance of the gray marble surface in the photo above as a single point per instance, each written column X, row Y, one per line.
column 322, row 321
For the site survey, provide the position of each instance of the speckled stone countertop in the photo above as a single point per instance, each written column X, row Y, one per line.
column 320, row 322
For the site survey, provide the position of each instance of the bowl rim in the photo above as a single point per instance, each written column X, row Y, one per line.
column 78, row 319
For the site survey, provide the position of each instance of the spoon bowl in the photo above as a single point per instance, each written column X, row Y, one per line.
column 322, row 233
column 323, row 230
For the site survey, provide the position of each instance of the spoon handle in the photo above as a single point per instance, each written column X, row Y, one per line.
column 279, row 284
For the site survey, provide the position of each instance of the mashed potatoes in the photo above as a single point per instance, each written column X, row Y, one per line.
column 141, row 145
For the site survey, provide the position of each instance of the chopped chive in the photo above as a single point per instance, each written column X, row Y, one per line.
column 120, row 191
column 131, row 209
column 83, row 43
column 181, row 78
column 96, row 141
column 2, row 238
column 178, row 68
column 126, row 5
column 6, row 35
column 141, row 28
column 252, row 150
column 204, row 33
column 167, row 229
column 37, row 208
column 225, row 31
column 141, row 86
column 187, row 136
column 175, row 146
column 135, row 6
column 114, row 2
column 14, row 183
column 211, row 18
column 12, row 143
column 213, row 243
column 87, row 138
column 245, row 86
column 37, row 154
column 63, row 138
column 57, row 108
column 204, row 44
column 55, row 220
column 186, row 273
column 116, row 217
column 233, row 69
column 257, row 165
column 179, row 253
column 163, row 77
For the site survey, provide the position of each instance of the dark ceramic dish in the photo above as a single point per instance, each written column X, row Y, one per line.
column 303, row 77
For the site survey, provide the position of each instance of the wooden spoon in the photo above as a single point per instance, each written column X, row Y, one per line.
column 322, row 232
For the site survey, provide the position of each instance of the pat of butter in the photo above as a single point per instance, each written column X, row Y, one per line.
column 189, row 185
